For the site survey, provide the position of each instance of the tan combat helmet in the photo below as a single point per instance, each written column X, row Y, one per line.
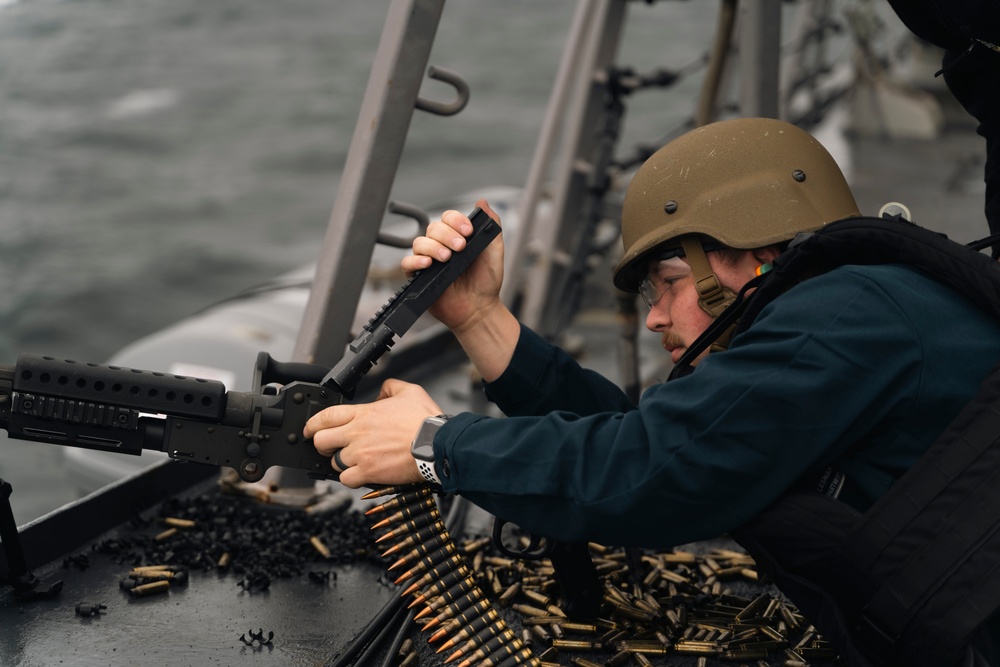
column 744, row 183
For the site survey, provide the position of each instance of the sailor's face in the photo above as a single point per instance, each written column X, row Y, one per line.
column 674, row 312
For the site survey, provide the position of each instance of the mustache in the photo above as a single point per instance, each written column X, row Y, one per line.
column 670, row 339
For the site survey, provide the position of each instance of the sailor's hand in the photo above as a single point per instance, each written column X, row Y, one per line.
column 372, row 440
column 477, row 291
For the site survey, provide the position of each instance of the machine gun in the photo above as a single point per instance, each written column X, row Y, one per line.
column 124, row 410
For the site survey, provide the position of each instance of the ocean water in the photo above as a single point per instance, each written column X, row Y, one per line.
column 157, row 156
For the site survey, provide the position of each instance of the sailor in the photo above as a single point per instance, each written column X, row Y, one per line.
column 839, row 384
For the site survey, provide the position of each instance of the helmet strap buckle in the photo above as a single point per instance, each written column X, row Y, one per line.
column 713, row 296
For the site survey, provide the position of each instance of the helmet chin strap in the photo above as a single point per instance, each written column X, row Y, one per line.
column 721, row 328
column 713, row 296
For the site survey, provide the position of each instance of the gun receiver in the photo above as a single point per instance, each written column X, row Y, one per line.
column 124, row 410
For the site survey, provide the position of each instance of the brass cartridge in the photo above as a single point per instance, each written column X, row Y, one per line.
column 319, row 546
column 645, row 646
column 576, row 645
column 410, row 526
column 150, row 589
column 494, row 651
column 689, row 647
column 400, row 500
column 165, row 535
column 642, row 660
column 509, row 594
column 495, row 630
column 420, row 564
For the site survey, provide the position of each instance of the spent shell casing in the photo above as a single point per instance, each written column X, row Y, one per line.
column 634, row 613
column 583, row 662
column 320, row 548
column 180, row 577
column 528, row 610
column 576, row 645
column 618, row 659
column 165, row 535
column 476, row 545
column 756, row 606
column 509, row 594
column 539, row 598
column 150, row 589
column 641, row 660
column 541, row 633
column 645, row 646
column 579, row 628
column 743, row 654
column 152, row 568
column 613, row 636
column 178, row 523
column 689, row 647
column 412, row 659
column 680, row 557
column 400, row 500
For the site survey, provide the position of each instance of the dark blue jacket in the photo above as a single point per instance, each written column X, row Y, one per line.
column 861, row 367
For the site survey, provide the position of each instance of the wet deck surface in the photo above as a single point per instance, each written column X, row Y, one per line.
column 199, row 623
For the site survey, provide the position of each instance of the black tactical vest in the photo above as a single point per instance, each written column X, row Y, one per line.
column 913, row 580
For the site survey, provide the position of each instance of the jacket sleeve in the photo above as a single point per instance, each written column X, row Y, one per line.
column 542, row 378
column 702, row 454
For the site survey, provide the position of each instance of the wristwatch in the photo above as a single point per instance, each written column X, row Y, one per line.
column 423, row 447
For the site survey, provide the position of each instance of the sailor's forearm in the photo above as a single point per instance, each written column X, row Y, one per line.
column 489, row 340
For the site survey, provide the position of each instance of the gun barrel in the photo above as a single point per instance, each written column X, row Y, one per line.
column 146, row 391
